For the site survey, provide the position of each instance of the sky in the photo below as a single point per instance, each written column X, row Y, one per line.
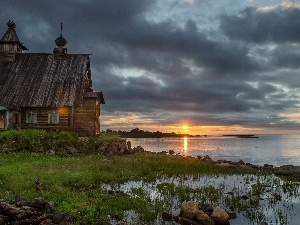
column 184, row 66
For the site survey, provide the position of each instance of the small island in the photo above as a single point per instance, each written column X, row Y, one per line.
column 241, row 135
column 138, row 133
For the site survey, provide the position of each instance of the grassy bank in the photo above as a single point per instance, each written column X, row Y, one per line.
column 94, row 187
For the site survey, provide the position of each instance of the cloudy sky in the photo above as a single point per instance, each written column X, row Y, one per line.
column 189, row 66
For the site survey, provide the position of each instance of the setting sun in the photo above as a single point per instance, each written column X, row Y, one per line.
column 184, row 126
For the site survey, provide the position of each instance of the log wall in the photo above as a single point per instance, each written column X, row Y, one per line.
column 86, row 117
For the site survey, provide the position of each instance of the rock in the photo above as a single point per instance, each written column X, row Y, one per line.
column 46, row 222
column 241, row 162
column 83, row 139
column 121, row 148
column 171, row 152
column 287, row 170
column 188, row 209
column 166, row 216
column 206, row 207
column 66, row 220
column 111, row 149
column 138, row 149
column 23, row 212
column 207, row 159
column 71, row 150
column 52, row 152
column 50, row 206
column 232, row 215
column 219, row 216
column 58, row 217
column 38, row 203
column 268, row 168
column 102, row 148
column 128, row 145
column 20, row 216
column 203, row 218
column 263, row 223
column 3, row 219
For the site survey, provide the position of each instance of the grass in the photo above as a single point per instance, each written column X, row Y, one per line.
column 94, row 187
column 75, row 182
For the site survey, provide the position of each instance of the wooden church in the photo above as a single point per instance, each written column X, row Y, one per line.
column 46, row 91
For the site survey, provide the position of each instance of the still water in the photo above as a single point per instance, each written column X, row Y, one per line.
column 276, row 150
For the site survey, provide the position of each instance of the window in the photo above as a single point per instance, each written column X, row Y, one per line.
column 53, row 117
column 2, row 120
column 31, row 117
column 16, row 118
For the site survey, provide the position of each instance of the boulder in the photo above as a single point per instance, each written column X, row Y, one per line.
column 241, row 162
column 71, row 150
column 171, row 152
column 232, row 215
column 287, row 170
column 207, row 159
column 129, row 145
column 219, row 216
column 207, row 208
column 138, row 149
column 188, row 209
column 203, row 218
column 111, row 149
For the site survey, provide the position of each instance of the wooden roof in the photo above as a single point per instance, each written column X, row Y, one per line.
column 37, row 80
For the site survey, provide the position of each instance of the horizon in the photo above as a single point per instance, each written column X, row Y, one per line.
column 184, row 132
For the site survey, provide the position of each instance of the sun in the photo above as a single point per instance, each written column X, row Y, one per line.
column 185, row 127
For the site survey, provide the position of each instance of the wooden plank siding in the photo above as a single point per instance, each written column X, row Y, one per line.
column 42, row 118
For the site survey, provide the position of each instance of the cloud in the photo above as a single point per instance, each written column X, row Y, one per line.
column 279, row 25
column 169, row 62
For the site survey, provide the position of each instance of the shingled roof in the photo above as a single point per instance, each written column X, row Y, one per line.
column 38, row 80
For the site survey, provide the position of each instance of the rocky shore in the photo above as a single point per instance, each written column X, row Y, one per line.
column 285, row 170
column 38, row 211
column 120, row 148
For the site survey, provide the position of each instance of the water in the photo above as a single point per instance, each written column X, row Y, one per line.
column 276, row 150
column 267, row 149
column 274, row 211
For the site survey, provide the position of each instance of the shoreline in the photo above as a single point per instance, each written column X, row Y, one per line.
column 284, row 170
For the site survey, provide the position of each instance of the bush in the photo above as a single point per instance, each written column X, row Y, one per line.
column 34, row 140
column 8, row 136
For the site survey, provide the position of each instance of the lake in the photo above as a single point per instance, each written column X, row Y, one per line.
column 276, row 150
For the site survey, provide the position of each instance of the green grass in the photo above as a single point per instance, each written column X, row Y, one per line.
column 76, row 183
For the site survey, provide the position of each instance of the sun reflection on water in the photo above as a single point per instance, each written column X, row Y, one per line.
column 185, row 145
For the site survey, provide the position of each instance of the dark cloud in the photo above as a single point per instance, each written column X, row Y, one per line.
column 167, row 71
column 258, row 26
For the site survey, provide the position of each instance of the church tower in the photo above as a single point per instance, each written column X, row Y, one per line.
column 10, row 44
column 60, row 52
